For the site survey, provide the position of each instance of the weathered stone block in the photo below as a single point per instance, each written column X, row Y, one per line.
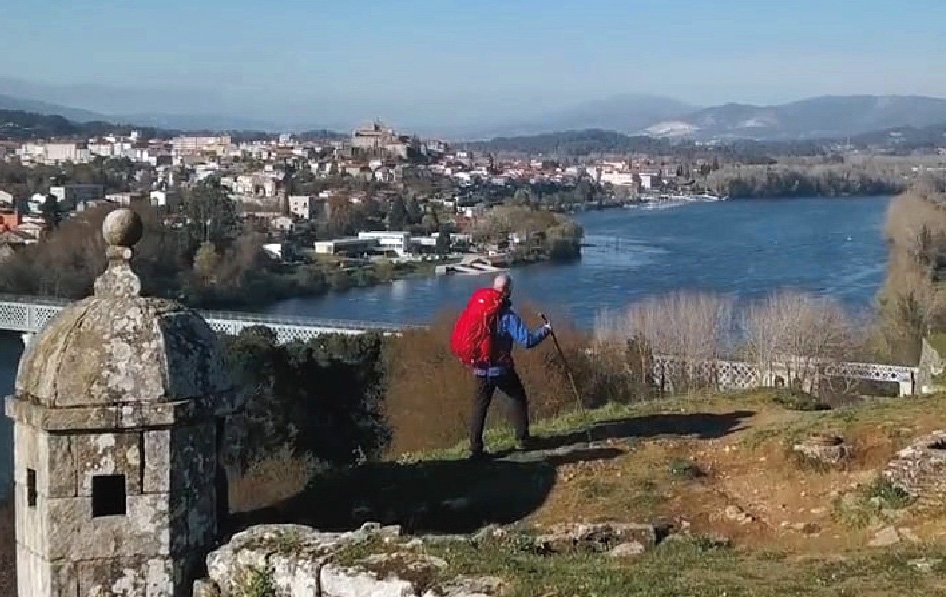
column 193, row 522
column 338, row 581
column 129, row 577
column 54, row 580
column 32, row 573
column 596, row 537
column 193, row 458
column 180, row 460
column 192, row 356
column 26, row 452
column 108, row 417
column 60, row 471
column 108, row 454
column 64, row 579
column 298, row 560
column 144, row 530
column 31, row 522
column 157, row 461
column 49, row 456
column 205, row 588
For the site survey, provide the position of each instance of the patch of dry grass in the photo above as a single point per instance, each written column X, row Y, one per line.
column 753, row 470
column 430, row 394
column 272, row 481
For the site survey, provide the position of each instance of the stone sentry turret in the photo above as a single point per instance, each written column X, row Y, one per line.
column 119, row 408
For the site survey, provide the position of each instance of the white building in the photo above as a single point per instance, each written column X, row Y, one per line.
column 34, row 204
column 76, row 196
column 161, row 198
column 191, row 145
column 397, row 241
column 57, row 153
column 282, row 223
column 125, row 199
column 618, row 179
column 647, row 179
column 346, row 246
column 303, row 206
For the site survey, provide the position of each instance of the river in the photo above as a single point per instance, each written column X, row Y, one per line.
column 752, row 247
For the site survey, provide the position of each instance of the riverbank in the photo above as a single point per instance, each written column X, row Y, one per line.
column 804, row 180
column 315, row 280
column 831, row 247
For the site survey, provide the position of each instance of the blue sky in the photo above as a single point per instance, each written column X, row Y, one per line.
column 426, row 60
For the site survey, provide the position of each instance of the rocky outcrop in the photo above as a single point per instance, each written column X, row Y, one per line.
column 619, row 539
column 826, row 448
column 298, row 561
column 920, row 469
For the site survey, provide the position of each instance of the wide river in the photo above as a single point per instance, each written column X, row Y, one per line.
column 828, row 246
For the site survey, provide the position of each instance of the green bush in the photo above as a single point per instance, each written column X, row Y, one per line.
column 795, row 399
column 322, row 397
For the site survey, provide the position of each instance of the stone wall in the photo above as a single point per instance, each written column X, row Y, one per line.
column 920, row 469
column 169, row 496
column 298, row 561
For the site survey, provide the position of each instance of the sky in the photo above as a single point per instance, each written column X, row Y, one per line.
column 428, row 61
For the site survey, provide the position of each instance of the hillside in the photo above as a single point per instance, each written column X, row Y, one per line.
column 631, row 114
column 9, row 102
column 581, row 143
column 821, row 117
column 21, row 125
column 627, row 113
column 17, row 124
column 733, row 508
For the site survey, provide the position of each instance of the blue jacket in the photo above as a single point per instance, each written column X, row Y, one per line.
column 510, row 329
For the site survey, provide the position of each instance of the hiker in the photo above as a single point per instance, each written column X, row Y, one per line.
column 490, row 358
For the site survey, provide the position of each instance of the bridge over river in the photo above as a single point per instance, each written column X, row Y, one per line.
column 29, row 314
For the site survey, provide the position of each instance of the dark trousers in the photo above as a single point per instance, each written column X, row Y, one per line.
column 510, row 385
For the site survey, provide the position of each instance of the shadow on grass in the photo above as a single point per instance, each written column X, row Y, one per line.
column 695, row 425
column 443, row 496
column 458, row 496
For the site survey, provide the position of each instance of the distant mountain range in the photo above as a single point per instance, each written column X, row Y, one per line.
column 8, row 102
column 622, row 113
column 654, row 116
column 814, row 118
column 821, row 117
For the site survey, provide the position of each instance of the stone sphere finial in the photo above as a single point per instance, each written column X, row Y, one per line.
column 122, row 228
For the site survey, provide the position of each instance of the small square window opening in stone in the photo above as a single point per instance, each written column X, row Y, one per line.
column 108, row 495
column 31, row 493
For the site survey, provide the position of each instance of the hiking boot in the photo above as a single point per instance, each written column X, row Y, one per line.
column 527, row 445
column 479, row 456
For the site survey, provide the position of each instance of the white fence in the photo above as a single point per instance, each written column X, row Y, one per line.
column 737, row 375
column 28, row 315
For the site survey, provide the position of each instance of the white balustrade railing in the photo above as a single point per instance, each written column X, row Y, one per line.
column 29, row 315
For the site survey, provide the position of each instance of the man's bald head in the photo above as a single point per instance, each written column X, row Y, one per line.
column 503, row 283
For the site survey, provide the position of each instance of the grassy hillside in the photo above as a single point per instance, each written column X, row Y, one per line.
column 747, row 515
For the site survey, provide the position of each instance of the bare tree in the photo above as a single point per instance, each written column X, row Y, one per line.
column 693, row 328
column 799, row 332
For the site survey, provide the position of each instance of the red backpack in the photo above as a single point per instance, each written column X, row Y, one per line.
column 472, row 340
